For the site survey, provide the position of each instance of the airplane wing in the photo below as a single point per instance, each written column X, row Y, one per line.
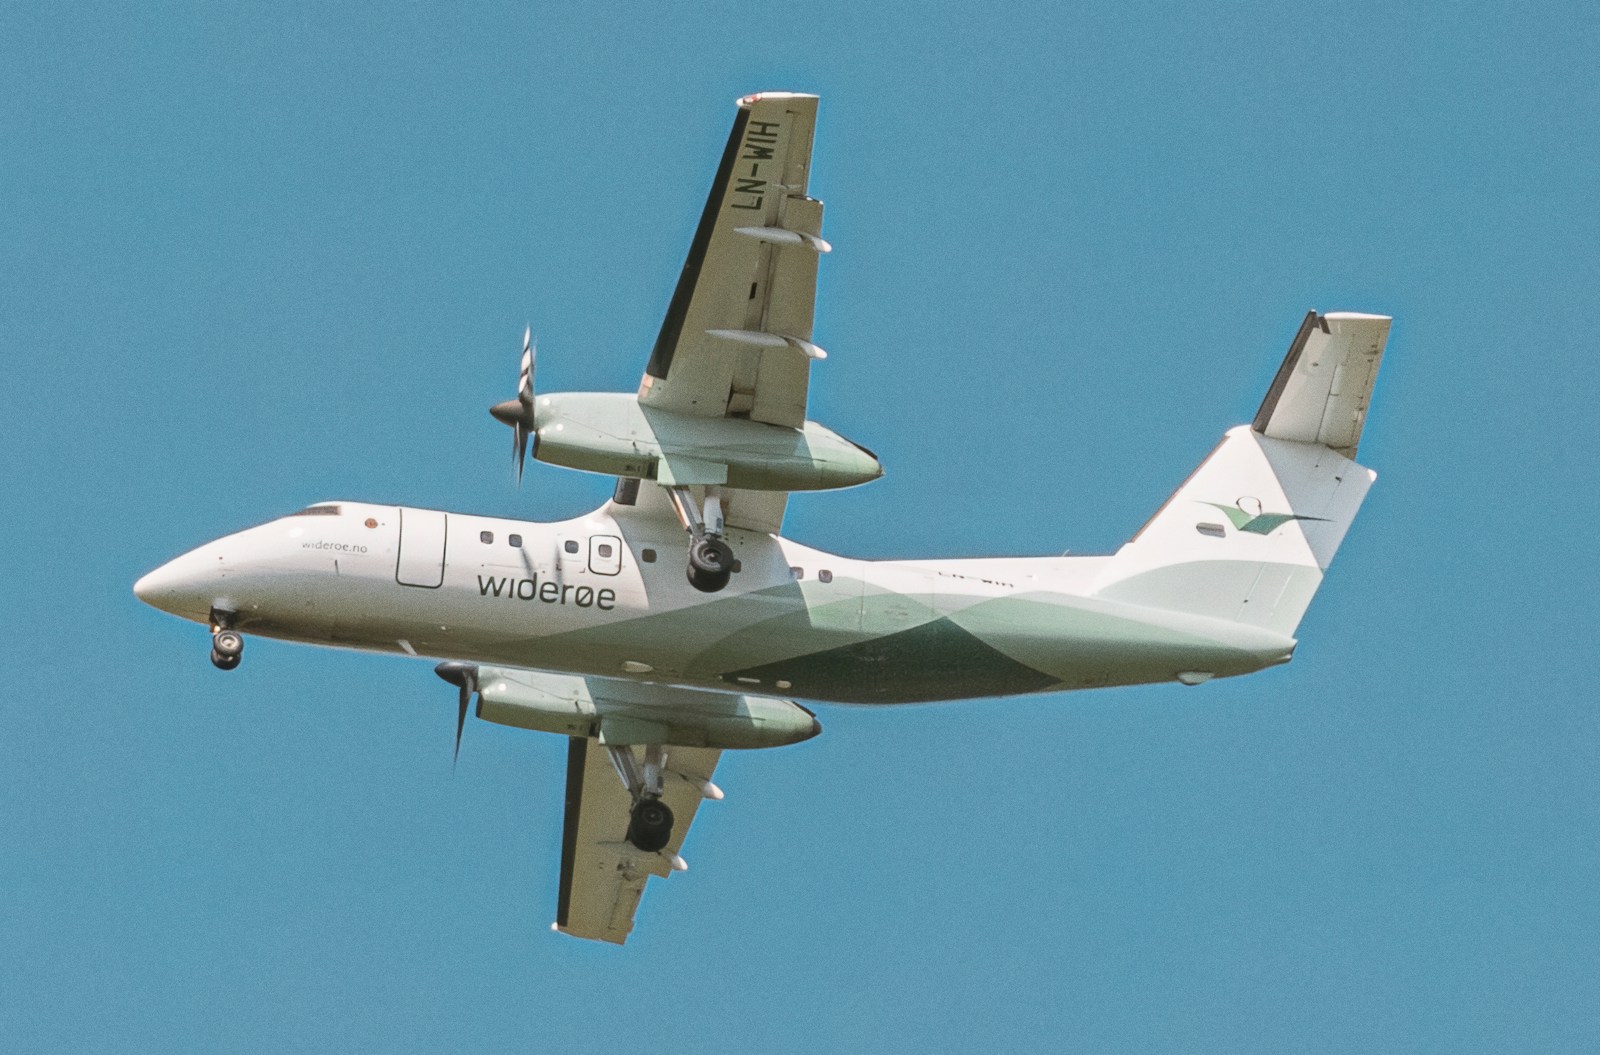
column 602, row 874
column 736, row 340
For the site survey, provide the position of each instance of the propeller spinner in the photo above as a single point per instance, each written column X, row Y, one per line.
column 518, row 413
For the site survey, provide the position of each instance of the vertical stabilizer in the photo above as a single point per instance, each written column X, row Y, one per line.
column 1249, row 535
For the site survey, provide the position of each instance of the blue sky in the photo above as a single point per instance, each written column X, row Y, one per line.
column 256, row 256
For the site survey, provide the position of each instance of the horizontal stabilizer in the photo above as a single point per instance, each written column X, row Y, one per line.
column 1323, row 388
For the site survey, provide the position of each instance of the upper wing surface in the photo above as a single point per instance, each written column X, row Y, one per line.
column 736, row 340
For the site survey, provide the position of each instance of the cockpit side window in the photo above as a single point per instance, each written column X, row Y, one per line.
column 317, row 511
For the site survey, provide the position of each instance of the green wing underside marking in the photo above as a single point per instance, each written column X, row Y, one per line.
column 1260, row 524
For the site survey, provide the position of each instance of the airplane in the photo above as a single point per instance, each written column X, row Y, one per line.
column 675, row 622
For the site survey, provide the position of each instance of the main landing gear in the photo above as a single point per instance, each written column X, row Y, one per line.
column 227, row 644
column 650, row 825
column 710, row 558
column 650, row 820
column 710, row 564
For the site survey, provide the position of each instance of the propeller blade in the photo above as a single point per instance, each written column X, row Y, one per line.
column 519, row 448
column 518, row 413
column 525, row 378
column 464, row 675
column 461, row 719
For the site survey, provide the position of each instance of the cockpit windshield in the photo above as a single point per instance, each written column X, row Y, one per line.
column 318, row 511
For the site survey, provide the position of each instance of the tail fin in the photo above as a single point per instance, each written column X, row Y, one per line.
column 1249, row 534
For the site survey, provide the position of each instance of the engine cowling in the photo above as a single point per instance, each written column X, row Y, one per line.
column 574, row 706
column 611, row 433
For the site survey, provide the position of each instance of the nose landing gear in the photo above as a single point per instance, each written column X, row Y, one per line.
column 227, row 648
column 227, row 644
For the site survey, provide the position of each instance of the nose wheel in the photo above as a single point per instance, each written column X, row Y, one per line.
column 227, row 644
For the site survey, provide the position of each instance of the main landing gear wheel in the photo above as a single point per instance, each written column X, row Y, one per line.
column 227, row 648
column 710, row 564
column 710, row 558
column 650, row 827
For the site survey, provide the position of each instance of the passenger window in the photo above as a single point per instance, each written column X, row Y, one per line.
column 648, row 556
column 486, row 537
column 516, row 541
column 571, row 545
column 604, row 549
column 825, row 575
column 798, row 573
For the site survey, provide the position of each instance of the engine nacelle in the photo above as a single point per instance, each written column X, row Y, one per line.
column 611, row 433
column 576, row 706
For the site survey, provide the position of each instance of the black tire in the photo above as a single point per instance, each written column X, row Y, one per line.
column 228, row 643
column 650, row 827
column 222, row 662
column 710, row 564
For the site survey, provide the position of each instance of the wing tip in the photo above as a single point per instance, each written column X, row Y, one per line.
column 747, row 101
column 1355, row 316
column 609, row 937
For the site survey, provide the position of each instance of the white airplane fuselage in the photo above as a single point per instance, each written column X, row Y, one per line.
column 606, row 594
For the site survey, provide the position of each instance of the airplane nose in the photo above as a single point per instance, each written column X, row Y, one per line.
column 177, row 587
column 158, row 588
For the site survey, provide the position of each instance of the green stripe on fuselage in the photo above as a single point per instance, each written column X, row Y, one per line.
column 937, row 660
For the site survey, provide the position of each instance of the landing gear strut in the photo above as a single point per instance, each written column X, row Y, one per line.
column 227, row 644
column 710, row 558
column 650, row 819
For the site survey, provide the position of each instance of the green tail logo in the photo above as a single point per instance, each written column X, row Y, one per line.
column 1255, row 521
